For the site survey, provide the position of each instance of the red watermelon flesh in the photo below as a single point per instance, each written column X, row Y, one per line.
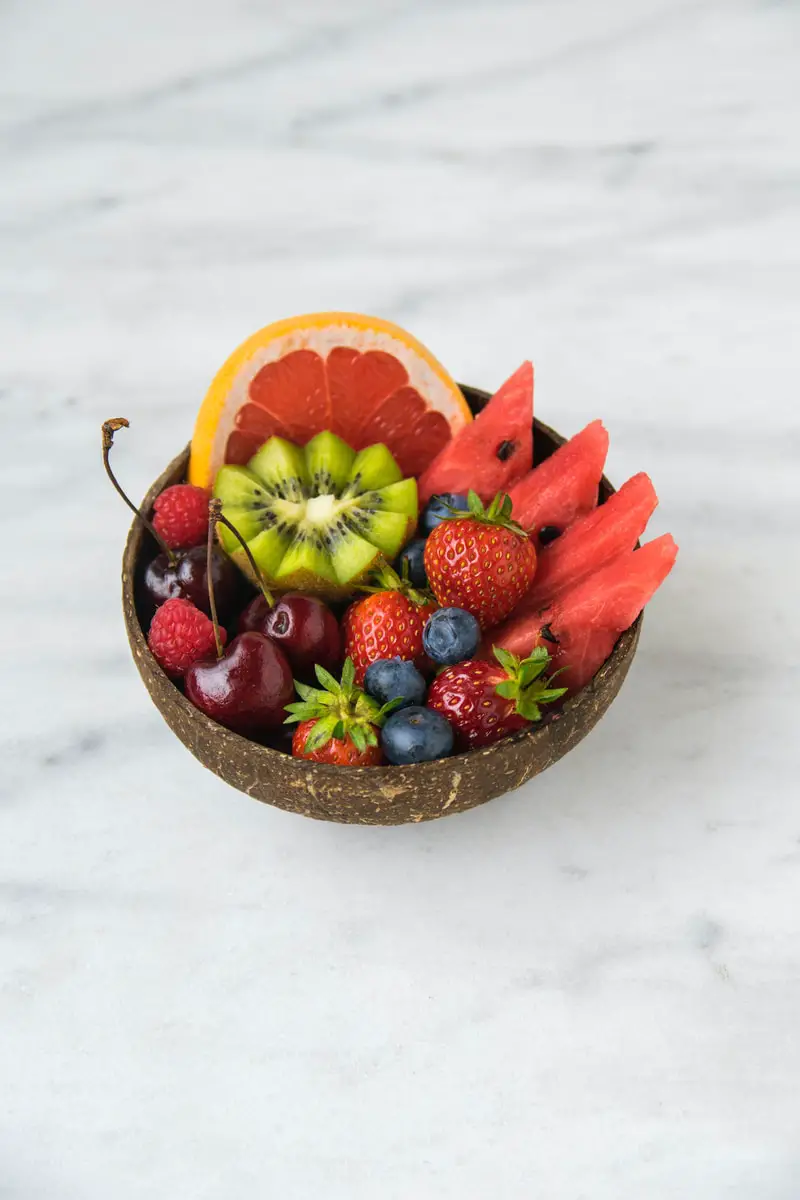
column 592, row 541
column 492, row 452
column 565, row 486
column 587, row 620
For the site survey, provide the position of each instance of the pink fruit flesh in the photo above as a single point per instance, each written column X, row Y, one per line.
column 493, row 451
column 591, row 542
column 565, row 486
column 587, row 620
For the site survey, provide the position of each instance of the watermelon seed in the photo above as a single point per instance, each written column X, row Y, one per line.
column 548, row 534
column 505, row 450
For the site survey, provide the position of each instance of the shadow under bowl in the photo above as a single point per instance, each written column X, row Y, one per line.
column 368, row 795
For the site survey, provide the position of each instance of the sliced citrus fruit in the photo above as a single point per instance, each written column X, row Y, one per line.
column 362, row 378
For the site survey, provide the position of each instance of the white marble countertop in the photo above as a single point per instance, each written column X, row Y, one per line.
column 588, row 990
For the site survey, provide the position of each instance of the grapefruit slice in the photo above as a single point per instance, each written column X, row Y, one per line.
column 580, row 628
column 592, row 541
column 362, row 378
column 565, row 486
column 492, row 452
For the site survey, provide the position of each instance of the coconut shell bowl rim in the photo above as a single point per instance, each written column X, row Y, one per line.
column 386, row 795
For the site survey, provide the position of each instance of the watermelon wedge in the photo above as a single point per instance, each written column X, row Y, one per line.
column 492, row 452
column 563, row 487
column 591, row 542
column 581, row 627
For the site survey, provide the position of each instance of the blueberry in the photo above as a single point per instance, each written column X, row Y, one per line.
column 437, row 509
column 416, row 735
column 390, row 678
column 416, row 567
column 451, row 635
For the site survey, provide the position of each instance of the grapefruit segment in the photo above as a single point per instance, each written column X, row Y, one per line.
column 592, row 541
column 294, row 392
column 345, row 372
column 404, row 422
column 580, row 628
column 565, row 486
column 494, row 451
column 342, row 384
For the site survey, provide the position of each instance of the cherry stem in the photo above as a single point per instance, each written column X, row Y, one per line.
column 213, row 516
column 110, row 427
column 217, row 515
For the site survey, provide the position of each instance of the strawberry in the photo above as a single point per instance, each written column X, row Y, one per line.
column 483, row 561
column 340, row 752
column 485, row 701
column 387, row 623
column 338, row 723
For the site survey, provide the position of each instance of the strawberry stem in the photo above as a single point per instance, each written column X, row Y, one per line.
column 525, row 683
column 110, row 427
column 386, row 579
column 497, row 513
column 339, row 710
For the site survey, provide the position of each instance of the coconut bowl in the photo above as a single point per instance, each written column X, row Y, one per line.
column 368, row 795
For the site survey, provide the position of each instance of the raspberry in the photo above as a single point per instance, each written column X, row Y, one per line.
column 181, row 516
column 180, row 634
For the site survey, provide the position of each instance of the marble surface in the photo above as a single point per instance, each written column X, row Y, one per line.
column 588, row 990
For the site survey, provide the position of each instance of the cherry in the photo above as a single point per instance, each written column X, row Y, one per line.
column 187, row 577
column 249, row 685
column 181, row 574
column 303, row 626
column 247, row 688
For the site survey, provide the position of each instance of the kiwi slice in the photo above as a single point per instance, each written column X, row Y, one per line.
column 317, row 518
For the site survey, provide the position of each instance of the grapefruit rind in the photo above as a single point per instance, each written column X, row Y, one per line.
column 319, row 332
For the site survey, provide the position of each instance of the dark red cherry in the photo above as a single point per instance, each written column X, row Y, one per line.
column 246, row 689
column 253, row 615
column 303, row 626
column 187, row 577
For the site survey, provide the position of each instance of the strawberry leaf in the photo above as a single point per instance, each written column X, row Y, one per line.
column 530, row 670
column 348, row 675
column 386, row 579
column 302, row 711
column 474, row 503
column 320, row 735
column 304, row 691
column 508, row 689
column 539, row 654
column 528, row 708
column 508, row 661
column 366, row 708
column 358, row 737
column 327, row 680
column 551, row 694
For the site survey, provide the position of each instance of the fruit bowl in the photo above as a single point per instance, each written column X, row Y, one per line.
column 391, row 795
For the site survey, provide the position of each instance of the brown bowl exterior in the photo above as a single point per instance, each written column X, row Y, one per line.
column 369, row 795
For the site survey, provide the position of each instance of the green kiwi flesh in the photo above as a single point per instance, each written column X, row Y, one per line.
column 317, row 518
